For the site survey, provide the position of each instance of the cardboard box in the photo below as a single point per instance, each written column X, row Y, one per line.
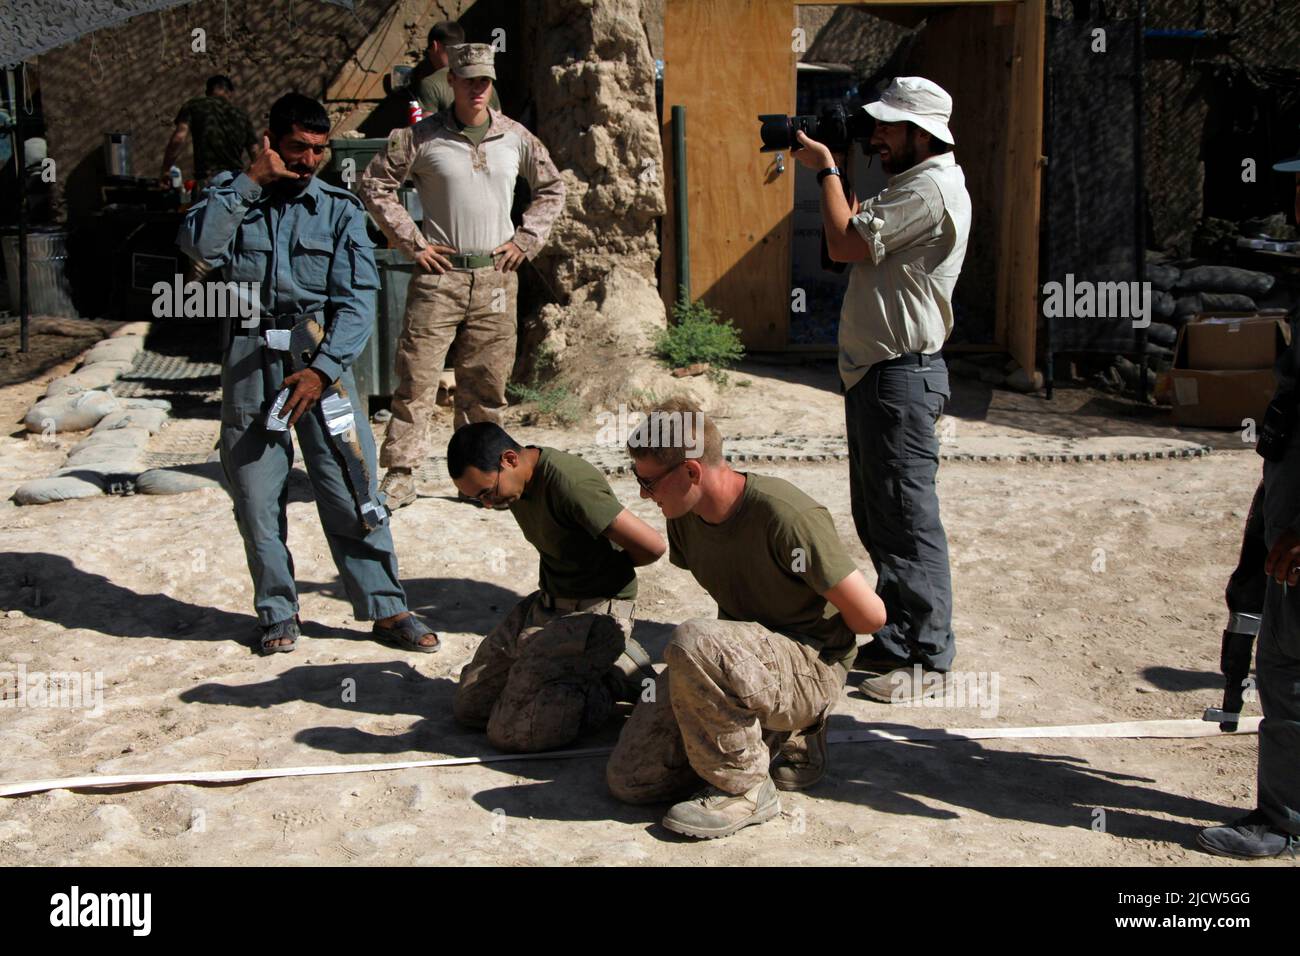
column 1224, row 397
column 1221, row 398
column 1231, row 341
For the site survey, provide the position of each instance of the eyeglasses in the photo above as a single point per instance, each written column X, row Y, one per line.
column 649, row 483
column 484, row 496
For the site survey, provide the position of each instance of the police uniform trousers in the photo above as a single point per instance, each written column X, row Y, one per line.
column 256, row 463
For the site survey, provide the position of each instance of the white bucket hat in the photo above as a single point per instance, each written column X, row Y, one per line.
column 914, row 99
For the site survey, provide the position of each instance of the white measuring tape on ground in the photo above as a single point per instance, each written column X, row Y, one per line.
column 1162, row 729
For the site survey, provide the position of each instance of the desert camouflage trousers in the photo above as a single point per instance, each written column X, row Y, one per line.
column 733, row 692
column 470, row 314
column 542, row 676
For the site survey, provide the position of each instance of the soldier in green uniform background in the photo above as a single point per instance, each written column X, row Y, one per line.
column 302, row 246
column 430, row 86
column 221, row 131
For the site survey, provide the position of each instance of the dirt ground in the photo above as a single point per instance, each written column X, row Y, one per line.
column 1093, row 591
column 51, row 341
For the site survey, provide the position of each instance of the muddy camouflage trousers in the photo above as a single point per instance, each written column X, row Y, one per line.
column 471, row 315
column 542, row 676
column 732, row 694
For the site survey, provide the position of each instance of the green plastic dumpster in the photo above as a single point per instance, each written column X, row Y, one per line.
column 374, row 367
column 360, row 151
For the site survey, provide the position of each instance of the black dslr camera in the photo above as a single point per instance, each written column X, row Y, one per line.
column 836, row 126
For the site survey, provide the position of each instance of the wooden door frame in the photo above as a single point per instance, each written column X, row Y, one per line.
column 1016, row 321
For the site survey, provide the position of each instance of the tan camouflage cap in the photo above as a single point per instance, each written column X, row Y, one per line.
column 471, row 59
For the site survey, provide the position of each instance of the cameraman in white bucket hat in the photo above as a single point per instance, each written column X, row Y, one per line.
column 906, row 245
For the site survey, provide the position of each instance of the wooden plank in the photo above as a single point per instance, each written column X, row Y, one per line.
column 668, row 225
column 964, row 51
column 1018, row 249
column 362, row 76
column 902, row 3
column 727, row 61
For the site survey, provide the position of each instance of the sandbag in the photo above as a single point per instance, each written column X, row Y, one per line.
column 1189, row 305
column 1162, row 277
column 162, row 403
column 152, row 419
column 1226, row 279
column 88, row 378
column 46, row 490
column 1163, row 305
column 179, row 479
column 113, row 451
column 104, row 461
column 115, row 350
column 1227, row 302
column 1162, row 334
column 116, row 468
column 133, row 438
column 71, row 412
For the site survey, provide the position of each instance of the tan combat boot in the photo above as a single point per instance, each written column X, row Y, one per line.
column 629, row 676
column 802, row 760
column 905, row 685
column 398, row 487
column 711, row 813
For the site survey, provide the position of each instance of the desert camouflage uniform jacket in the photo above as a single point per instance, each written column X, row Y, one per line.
column 466, row 190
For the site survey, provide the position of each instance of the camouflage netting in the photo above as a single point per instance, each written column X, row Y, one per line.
column 29, row 27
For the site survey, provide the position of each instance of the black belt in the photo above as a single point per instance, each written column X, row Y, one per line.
column 618, row 606
column 913, row 358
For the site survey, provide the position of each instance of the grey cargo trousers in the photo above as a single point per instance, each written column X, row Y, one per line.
column 256, row 463
column 1277, row 660
column 890, row 414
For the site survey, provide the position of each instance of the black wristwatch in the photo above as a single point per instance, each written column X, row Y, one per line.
column 829, row 171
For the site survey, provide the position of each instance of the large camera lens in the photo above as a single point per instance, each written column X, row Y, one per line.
column 777, row 131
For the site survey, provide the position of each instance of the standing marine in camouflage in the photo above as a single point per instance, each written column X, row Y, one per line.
column 464, row 163
column 564, row 655
column 761, row 679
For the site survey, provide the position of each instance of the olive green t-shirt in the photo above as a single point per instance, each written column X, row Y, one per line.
column 435, row 93
column 475, row 134
column 563, row 513
column 770, row 562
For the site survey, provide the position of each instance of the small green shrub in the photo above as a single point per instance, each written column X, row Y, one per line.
column 556, row 403
column 699, row 334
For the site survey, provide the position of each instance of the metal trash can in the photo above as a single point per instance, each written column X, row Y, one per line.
column 48, row 291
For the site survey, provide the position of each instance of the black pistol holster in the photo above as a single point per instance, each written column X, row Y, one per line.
column 1278, row 426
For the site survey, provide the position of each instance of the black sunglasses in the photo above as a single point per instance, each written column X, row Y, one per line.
column 649, row 483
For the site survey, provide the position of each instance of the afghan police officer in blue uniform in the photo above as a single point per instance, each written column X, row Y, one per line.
column 1273, row 827
column 300, row 246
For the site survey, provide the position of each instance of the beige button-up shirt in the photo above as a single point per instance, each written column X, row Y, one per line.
column 465, row 190
column 899, row 298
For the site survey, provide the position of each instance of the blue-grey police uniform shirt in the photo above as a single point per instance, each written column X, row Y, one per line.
column 310, row 252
